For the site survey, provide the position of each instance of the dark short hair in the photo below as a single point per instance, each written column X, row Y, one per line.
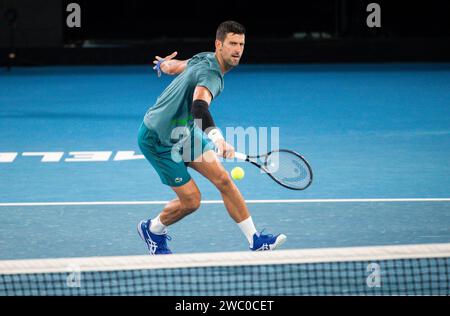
column 229, row 27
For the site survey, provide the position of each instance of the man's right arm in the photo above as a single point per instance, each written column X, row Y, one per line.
column 200, row 111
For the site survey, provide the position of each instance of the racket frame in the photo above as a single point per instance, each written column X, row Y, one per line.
column 247, row 158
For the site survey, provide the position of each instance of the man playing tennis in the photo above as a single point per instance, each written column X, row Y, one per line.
column 179, row 132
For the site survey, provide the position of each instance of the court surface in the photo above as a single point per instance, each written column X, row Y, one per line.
column 373, row 134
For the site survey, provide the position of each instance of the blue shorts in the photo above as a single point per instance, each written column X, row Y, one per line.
column 170, row 162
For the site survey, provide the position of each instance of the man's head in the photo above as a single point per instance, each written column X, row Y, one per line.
column 230, row 41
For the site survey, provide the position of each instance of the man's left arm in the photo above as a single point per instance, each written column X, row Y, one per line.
column 168, row 65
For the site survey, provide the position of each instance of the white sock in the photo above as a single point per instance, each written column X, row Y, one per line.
column 248, row 228
column 157, row 227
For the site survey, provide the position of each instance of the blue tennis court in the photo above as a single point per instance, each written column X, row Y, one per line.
column 373, row 133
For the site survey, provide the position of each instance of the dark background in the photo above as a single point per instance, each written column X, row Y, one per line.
column 281, row 31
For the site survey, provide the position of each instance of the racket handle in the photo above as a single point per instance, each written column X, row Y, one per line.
column 240, row 156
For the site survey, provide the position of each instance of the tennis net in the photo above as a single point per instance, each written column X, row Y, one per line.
column 381, row 270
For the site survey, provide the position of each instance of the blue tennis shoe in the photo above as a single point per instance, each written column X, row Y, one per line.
column 263, row 242
column 157, row 244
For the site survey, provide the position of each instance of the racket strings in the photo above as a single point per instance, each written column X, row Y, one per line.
column 289, row 169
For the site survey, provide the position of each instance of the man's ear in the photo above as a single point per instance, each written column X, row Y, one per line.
column 218, row 44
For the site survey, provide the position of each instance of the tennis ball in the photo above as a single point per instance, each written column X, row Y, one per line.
column 237, row 173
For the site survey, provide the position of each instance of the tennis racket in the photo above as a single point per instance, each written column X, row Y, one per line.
column 286, row 167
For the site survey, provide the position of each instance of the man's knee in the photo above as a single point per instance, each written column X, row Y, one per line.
column 191, row 202
column 223, row 181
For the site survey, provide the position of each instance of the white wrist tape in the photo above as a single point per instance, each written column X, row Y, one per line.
column 215, row 135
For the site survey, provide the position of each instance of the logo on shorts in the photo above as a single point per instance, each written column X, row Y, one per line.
column 178, row 180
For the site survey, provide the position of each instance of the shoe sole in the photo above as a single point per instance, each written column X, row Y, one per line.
column 278, row 242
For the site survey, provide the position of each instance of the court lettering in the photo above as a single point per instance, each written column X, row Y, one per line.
column 73, row 156
column 7, row 157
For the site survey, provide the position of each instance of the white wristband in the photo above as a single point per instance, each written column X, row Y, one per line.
column 215, row 135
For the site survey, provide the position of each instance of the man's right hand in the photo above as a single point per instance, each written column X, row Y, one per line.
column 224, row 149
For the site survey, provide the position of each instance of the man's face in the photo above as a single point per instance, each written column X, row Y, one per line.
column 231, row 49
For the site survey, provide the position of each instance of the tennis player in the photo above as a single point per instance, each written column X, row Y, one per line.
column 179, row 132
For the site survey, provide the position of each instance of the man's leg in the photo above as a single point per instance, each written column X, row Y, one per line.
column 210, row 167
column 154, row 232
column 174, row 174
column 187, row 201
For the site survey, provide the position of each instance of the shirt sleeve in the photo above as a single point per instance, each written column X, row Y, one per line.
column 211, row 80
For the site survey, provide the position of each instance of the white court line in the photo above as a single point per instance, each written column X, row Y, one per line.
column 221, row 202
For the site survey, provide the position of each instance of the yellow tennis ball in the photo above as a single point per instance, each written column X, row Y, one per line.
column 237, row 173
